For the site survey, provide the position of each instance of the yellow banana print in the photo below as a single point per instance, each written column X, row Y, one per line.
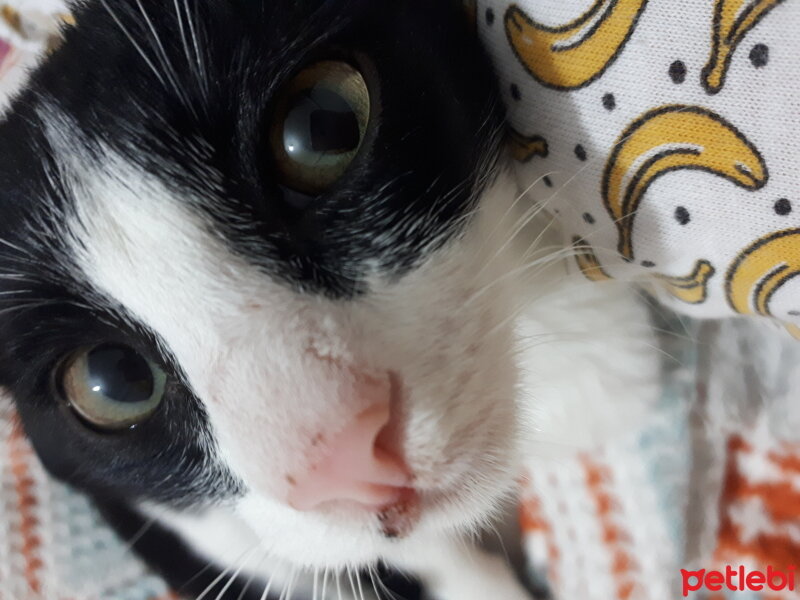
column 733, row 19
column 524, row 147
column 667, row 139
column 692, row 289
column 761, row 269
column 587, row 261
column 572, row 56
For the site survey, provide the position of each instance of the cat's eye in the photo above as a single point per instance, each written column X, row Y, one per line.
column 111, row 386
column 319, row 126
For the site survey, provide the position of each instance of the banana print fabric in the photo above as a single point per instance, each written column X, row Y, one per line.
column 664, row 135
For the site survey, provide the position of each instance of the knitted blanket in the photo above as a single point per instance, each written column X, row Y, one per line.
column 711, row 480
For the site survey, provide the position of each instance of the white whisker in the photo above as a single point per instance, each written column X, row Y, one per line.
column 268, row 587
column 165, row 61
column 139, row 49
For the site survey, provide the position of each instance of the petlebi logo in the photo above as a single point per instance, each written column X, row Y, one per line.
column 739, row 579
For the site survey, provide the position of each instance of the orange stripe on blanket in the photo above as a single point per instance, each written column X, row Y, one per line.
column 20, row 454
column 623, row 567
column 787, row 460
column 781, row 506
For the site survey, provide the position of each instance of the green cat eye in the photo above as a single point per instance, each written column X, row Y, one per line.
column 111, row 386
column 319, row 126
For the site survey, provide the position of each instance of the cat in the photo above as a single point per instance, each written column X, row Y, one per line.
column 272, row 298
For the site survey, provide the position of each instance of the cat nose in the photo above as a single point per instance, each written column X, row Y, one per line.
column 355, row 466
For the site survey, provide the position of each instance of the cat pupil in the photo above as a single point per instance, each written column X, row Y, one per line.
column 119, row 374
column 320, row 122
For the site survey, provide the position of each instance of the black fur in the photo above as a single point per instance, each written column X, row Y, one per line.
column 435, row 126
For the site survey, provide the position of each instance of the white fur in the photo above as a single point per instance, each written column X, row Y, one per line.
column 265, row 362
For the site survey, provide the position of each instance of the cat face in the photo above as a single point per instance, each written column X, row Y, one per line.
column 253, row 260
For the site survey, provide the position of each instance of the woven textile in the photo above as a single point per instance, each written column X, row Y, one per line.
column 711, row 480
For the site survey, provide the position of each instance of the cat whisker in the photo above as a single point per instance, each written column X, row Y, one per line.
column 243, row 556
column 586, row 337
column 25, row 306
column 17, row 293
column 325, row 575
column 136, row 45
column 256, row 569
column 371, row 573
column 167, row 65
column 594, row 160
column 235, row 574
column 193, row 31
column 564, row 252
column 193, row 63
column 13, row 246
column 377, row 582
column 352, row 583
column 508, row 213
column 268, row 587
column 288, row 589
column 556, row 256
column 360, row 589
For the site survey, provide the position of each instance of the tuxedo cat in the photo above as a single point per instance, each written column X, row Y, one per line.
column 270, row 296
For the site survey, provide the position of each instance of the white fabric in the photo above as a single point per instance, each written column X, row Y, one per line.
column 597, row 88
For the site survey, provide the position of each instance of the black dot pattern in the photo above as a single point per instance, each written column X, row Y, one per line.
column 489, row 17
column 677, row 72
column 515, row 93
column 682, row 215
column 783, row 207
column 589, row 218
column 759, row 55
column 580, row 152
column 547, row 181
column 609, row 102
column 648, row 264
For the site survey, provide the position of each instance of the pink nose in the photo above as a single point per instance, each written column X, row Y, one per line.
column 354, row 467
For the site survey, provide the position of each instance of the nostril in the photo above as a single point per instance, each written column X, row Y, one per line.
column 355, row 466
